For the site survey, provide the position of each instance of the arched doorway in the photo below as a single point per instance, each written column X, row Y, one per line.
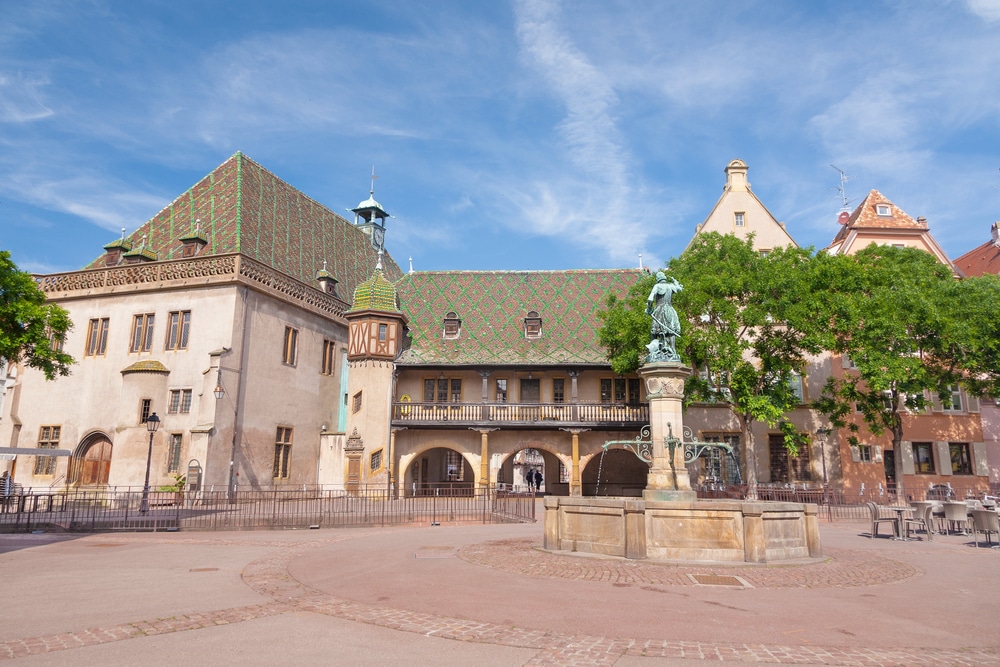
column 439, row 471
column 92, row 461
column 622, row 473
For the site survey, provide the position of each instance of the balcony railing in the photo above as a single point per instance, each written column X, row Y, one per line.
column 537, row 415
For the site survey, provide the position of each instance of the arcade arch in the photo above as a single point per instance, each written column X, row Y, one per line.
column 438, row 471
column 622, row 473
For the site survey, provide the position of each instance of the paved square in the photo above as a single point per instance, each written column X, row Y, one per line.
column 371, row 596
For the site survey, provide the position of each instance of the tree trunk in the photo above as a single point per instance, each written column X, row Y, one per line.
column 750, row 458
column 897, row 444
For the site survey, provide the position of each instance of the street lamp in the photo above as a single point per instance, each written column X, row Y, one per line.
column 825, row 432
column 152, row 423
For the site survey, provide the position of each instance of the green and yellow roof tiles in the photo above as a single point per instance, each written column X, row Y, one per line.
column 244, row 208
column 376, row 293
column 492, row 306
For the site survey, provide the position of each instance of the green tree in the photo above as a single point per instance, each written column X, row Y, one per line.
column 749, row 322
column 910, row 330
column 32, row 331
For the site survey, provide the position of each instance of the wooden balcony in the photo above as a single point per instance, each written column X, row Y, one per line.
column 605, row 416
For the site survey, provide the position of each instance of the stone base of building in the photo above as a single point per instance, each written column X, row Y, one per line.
column 683, row 530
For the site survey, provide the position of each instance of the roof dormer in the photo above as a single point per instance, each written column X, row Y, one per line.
column 193, row 243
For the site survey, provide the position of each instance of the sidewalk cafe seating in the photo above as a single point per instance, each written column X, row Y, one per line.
column 924, row 518
column 877, row 518
column 986, row 521
column 957, row 515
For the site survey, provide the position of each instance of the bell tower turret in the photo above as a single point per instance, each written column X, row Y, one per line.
column 370, row 217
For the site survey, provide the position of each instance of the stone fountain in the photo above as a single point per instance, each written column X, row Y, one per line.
column 670, row 523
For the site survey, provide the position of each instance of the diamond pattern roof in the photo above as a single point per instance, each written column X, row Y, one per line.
column 245, row 208
column 492, row 306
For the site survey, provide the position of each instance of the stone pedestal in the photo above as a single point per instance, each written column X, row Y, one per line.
column 668, row 478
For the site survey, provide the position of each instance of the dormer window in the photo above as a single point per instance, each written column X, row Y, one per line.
column 532, row 325
column 883, row 210
column 452, row 326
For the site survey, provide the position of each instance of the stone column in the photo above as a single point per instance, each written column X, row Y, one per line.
column 484, row 462
column 668, row 477
column 575, row 485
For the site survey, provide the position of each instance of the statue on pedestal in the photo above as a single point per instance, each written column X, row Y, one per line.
column 666, row 325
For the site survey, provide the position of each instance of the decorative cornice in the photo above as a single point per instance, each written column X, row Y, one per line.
column 194, row 272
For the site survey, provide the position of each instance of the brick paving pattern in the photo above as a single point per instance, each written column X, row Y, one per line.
column 269, row 576
column 842, row 568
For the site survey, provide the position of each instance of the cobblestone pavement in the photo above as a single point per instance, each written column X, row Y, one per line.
column 840, row 569
column 269, row 576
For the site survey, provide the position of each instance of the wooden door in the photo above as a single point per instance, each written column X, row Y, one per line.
column 96, row 464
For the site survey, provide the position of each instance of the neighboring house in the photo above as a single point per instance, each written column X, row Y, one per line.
column 944, row 446
column 980, row 261
column 236, row 289
column 877, row 220
column 739, row 212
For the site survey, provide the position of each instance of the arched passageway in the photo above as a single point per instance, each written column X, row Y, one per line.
column 439, row 471
column 622, row 473
column 544, row 469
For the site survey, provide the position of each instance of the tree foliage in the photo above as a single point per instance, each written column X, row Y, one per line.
column 749, row 321
column 31, row 331
column 910, row 330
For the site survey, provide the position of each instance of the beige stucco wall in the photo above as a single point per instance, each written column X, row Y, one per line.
column 261, row 392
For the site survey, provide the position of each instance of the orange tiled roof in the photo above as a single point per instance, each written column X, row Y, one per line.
column 980, row 260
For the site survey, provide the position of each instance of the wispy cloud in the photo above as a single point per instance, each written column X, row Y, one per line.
column 22, row 99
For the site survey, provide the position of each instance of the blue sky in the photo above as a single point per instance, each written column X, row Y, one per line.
column 532, row 134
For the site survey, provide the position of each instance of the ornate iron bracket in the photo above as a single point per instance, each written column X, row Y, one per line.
column 641, row 446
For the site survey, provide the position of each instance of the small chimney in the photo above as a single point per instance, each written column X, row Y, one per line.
column 995, row 234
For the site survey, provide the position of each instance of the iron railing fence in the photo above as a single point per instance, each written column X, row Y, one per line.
column 120, row 509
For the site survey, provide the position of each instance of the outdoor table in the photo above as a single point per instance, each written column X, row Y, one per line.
column 900, row 526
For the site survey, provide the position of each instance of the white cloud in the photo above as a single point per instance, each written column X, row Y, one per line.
column 988, row 10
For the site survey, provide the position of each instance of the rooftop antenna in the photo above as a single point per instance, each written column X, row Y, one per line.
column 845, row 203
column 372, row 191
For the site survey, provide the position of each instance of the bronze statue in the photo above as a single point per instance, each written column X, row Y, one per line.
column 666, row 325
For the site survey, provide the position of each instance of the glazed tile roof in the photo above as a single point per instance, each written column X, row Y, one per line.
column 492, row 306
column 983, row 259
column 245, row 208
column 147, row 366
column 376, row 293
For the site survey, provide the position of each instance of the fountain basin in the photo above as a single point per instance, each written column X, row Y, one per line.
column 683, row 531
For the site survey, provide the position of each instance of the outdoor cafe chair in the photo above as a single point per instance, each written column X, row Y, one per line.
column 957, row 513
column 877, row 518
column 986, row 521
column 924, row 518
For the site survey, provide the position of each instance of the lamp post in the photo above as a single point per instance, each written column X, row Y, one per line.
column 152, row 423
column 825, row 432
